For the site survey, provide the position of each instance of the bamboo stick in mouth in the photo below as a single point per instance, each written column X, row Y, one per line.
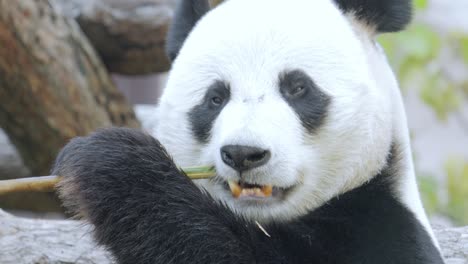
column 48, row 183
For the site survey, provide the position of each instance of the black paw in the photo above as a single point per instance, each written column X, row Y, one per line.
column 112, row 168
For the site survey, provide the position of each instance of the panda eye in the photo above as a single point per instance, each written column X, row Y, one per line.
column 217, row 101
column 298, row 90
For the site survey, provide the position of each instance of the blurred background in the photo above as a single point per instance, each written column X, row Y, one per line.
column 68, row 67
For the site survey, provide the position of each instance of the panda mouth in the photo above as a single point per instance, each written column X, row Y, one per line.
column 242, row 190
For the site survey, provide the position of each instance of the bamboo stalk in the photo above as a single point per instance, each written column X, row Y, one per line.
column 33, row 184
column 199, row 173
column 47, row 183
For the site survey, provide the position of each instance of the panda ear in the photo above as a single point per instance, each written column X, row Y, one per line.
column 381, row 15
column 187, row 14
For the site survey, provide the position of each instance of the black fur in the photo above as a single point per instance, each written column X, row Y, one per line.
column 385, row 15
column 310, row 103
column 146, row 211
column 203, row 115
column 186, row 16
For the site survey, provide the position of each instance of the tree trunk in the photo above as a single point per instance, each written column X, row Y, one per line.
column 51, row 241
column 128, row 35
column 52, row 85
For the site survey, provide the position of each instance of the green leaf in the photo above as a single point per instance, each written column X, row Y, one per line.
column 428, row 186
column 408, row 70
column 441, row 96
column 464, row 48
column 388, row 44
column 457, row 187
column 421, row 42
column 420, row 4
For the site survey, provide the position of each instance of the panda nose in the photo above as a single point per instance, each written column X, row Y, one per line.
column 242, row 158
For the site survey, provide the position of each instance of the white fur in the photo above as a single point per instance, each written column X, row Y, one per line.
column 248, row 44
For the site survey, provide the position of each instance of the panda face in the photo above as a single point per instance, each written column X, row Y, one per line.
column 285, row 106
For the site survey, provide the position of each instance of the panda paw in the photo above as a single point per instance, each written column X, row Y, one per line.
column 116, row 168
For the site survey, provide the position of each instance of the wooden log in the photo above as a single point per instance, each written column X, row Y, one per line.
column 65, row 241
column 24, row 241
column 454, row 244
column 53, row 87
column 11, row 164
column 128, row 35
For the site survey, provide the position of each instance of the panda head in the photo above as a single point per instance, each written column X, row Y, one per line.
column 291, row 101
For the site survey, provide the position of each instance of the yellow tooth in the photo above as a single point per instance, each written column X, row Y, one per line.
column 267, row 190
column 235, row 189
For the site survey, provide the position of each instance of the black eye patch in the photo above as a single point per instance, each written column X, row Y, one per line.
column 305, row 97
column 203, row 115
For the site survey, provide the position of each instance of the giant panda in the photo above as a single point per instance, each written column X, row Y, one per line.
column 294, row 104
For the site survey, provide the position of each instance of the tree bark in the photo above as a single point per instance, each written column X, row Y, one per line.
column 52, row 85
column 128, row 35
column 454, row 244
column 65, row 241
column 24, row 241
